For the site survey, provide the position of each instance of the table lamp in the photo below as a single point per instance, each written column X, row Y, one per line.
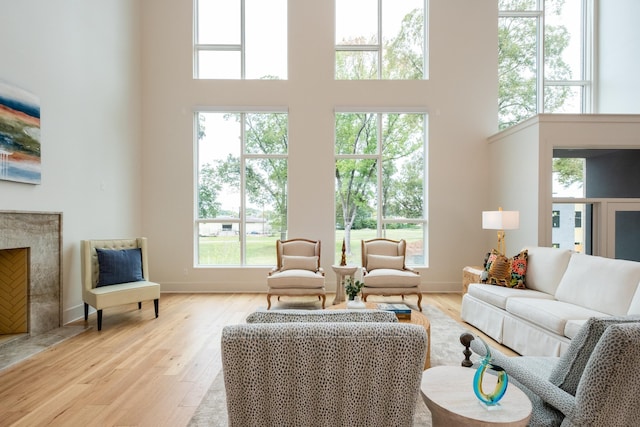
column 500, row 220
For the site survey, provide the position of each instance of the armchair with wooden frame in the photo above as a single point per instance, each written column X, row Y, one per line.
column 384, row 271
column 298, row 271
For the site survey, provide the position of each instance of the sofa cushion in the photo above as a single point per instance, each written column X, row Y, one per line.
column 568, row 371
column 498, row 295
column 291, row 279
column 545, row 268
column 602, row 284
column 549, row 314
column 387, row 278
column 119, row 266
column 293, row 262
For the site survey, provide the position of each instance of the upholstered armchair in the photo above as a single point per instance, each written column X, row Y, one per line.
column 341, row 373
column 116, row 272
column 298, row 271
column 596, row 382
column 384, row 271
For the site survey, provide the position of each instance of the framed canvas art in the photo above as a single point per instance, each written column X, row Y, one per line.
column 19, row 135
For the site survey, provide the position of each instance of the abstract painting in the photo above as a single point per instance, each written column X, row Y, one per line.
column 19, row 135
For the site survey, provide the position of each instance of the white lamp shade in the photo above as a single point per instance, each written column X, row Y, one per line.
column 500, row 220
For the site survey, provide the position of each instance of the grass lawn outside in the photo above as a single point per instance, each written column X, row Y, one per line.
column 223, row 251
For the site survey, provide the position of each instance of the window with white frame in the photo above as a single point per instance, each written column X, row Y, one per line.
column 241, row 189
column 381, row 181
column 380, row 39
column 544, row 60
column 240, row 39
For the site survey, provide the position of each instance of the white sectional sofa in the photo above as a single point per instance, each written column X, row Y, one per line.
column 564, row 289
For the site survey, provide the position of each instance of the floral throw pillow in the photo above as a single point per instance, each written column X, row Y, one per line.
column 503, row 271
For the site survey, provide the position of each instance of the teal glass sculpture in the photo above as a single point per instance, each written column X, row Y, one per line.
column 501, row 386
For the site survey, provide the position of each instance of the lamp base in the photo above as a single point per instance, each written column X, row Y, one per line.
column 501, row 243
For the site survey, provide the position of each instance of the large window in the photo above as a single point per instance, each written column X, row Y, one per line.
column 240, row 39
column 381, row 181
column 544, row 58
column 380, row 39
column 241, row 186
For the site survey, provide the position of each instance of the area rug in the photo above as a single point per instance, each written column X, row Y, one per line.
column 445, row 350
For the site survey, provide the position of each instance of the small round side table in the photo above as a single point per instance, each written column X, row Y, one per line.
column 448, row 393
column 342, row 271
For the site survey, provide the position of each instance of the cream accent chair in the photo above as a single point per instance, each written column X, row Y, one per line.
column 298, row 272
column 122, row 293
column 384, row 271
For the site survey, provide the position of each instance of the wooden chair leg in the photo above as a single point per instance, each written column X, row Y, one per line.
column 269, row 301
column 324, row 298
column 86, row 311
column 420, row 301
column 156, row 306
column 99, row 320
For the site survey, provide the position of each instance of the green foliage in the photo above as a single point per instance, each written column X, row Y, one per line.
column 405, row 53
column 570, row 170
column 517, row 63
column 352, row 287
column 208, row 205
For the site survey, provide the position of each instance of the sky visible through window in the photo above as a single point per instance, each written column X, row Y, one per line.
column 265, row 38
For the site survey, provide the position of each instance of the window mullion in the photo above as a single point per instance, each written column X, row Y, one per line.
column 242, row 226
column 540, row 61
column 379, row 178
column 379, row 39
column 242, row 40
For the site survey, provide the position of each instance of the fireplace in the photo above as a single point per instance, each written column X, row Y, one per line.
column 32, row 240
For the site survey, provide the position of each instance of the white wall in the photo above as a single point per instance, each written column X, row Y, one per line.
column 81, row 57
column 514, row 182
column 618, row 59
column 460, row 97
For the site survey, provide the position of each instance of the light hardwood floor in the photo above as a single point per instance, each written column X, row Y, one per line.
column 138, row 371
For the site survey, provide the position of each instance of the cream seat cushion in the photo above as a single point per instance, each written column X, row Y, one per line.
column 389, row 278
column 289, row 279
column 498, row 295
column 549, row 314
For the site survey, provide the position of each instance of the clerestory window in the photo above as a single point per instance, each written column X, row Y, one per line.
column 380, row 39
column 240, row 39
column 544, row 58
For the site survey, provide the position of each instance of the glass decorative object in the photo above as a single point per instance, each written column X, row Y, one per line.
column 494, row 397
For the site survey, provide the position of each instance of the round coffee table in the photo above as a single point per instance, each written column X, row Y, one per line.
column 448, row 393
column 417, row 318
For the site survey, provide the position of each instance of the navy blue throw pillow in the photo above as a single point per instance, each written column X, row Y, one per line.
column 119, row 266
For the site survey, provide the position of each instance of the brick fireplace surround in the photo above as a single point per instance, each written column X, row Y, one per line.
column 41, row 233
